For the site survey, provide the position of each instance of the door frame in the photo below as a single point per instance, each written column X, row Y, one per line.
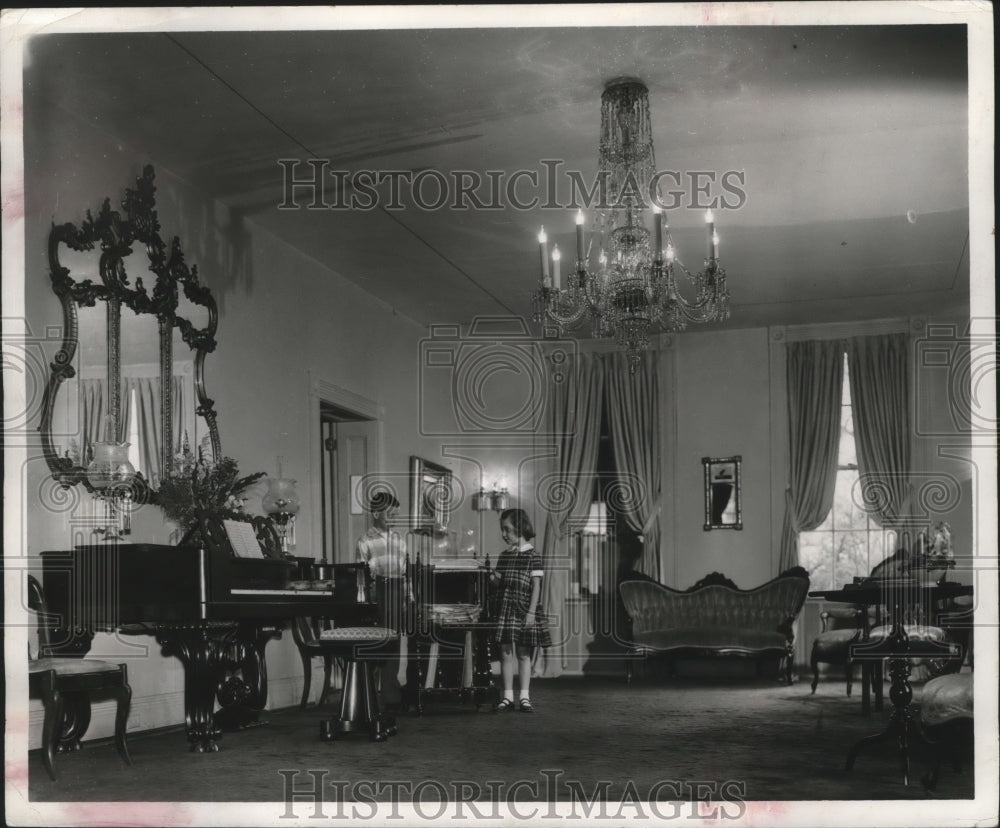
column 321, row 391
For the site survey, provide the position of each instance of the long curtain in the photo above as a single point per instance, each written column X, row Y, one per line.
column 566, row 493
column 815, row 375
column 146, row 392
column 93, row 411
column 879, row 378
column 633, row 419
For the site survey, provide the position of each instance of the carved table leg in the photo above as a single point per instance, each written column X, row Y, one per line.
column 902, row 722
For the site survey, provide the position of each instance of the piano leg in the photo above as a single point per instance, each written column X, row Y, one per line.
column 207, row 652
column 242, row 698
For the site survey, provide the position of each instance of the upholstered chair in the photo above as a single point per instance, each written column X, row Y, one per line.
column 65, row 687
column 843, row 626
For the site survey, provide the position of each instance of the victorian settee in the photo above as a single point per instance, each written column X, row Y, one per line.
column 714, row 618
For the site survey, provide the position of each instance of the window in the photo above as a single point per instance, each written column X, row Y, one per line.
column 848, row 543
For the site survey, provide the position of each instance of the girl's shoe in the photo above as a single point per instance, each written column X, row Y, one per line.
column 504, row 704
column 525, row 706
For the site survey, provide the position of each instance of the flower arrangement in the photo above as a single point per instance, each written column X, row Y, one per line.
column 196, row 488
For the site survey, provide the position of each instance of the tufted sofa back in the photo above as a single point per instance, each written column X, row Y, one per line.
column 771, row 606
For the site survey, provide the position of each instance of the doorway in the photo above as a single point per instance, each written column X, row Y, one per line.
column 348, row 456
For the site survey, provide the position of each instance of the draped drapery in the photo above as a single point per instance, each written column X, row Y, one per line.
column 879, row 379
column 633, row 417
column 93, row 413
column 146, row 393
column 815, row 373
column 566, row 493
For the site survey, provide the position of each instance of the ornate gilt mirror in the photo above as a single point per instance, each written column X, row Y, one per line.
column 137, row 326
column 723, row 492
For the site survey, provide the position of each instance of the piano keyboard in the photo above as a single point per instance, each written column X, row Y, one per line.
column 309, row 592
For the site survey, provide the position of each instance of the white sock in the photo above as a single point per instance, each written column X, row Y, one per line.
column 524, row 696
column 508, row 693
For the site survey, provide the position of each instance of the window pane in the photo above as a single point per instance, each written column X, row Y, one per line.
column 851, row 556
column 816, row 556
column 848, row 511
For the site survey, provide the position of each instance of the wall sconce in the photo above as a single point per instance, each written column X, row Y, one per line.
column 111, row 476
column 496, row 498
column 281, row 504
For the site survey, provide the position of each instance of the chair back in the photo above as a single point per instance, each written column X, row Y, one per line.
column 38, row 632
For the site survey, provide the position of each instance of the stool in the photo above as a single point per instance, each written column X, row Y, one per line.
column 359, row 706
column 946, row 712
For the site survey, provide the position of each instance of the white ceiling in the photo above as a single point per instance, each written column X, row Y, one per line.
column 839, row 131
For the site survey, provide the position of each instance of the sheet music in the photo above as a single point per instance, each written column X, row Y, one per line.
column 243, row 539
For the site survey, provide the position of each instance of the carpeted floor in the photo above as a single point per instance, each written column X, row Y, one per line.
column 751, row 739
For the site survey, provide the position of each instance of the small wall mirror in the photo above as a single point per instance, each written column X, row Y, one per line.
column 723, row 490
column 431, row 496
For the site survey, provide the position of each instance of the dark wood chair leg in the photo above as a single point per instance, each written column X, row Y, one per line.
column 53, row 703
column 124, row 702
column 850, row 675
column 307, row 677
column 814, row 664
column 327, row 678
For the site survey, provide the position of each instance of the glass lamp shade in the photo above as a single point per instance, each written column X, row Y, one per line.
column 110, row 467
column 281, row 497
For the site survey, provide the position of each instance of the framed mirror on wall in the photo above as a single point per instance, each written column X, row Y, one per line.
column 723, row 492
column 137, row 327
column 431, row 497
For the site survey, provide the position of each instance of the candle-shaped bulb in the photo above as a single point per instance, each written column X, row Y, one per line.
column 670, row 253
column 709, row 217
column 715, row 245
column 603, row 258
column 579, row 216
column 543, row 246
column 657, row 234
column 556, row 275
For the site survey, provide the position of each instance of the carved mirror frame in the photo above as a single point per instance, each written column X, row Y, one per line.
column 723, row 492
column 115, row 235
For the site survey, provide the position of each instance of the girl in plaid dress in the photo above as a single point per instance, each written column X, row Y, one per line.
column 520, row 623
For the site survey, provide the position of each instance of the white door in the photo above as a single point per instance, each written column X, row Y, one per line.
column 353, row 460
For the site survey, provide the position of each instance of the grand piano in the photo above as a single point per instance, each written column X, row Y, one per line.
column 213, row 610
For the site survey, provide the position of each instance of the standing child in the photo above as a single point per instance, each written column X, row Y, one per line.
column 520, row 624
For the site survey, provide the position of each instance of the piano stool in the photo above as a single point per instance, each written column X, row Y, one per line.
column 359, row 648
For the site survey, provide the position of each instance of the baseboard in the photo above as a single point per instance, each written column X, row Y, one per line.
column 160, row 710
column 146, row 713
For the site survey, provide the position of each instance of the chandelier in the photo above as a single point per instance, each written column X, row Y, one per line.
column 634, row 287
